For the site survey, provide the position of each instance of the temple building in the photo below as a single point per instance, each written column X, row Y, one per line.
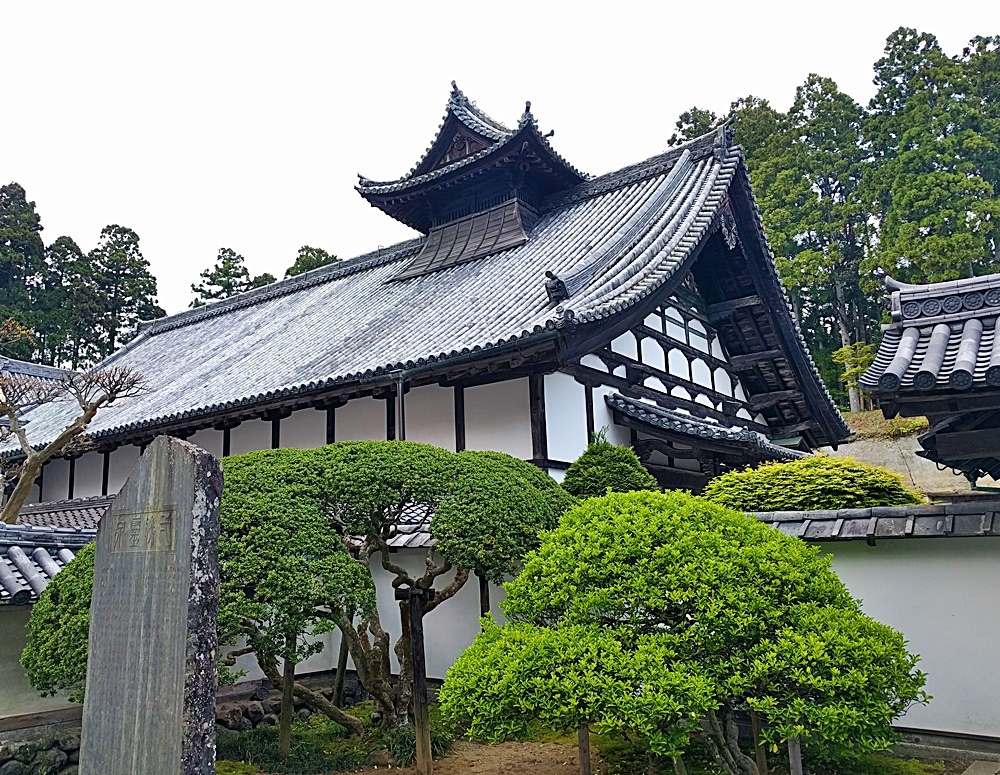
column 940, row 358
column 535, row 306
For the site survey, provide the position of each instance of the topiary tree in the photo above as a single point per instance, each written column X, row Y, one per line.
column 488, row 510
column 302, row 531
column 660, row 615
column 604, row 466
column 55, row 657
column 811, row 483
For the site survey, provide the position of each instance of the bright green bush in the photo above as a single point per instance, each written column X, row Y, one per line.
column 811, row 483
column 604, row 466
column 55, row 657
column 645, row 613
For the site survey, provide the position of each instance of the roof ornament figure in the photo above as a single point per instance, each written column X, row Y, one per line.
column 723, row 138
column 555, row 288
column 527, row 117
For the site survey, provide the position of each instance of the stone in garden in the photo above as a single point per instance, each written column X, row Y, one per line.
column 150, row 700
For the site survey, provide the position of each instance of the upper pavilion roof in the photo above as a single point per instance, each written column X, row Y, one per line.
column 473, row 163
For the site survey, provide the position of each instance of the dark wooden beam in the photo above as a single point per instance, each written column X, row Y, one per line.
column 536, row 403
column 783, row 431
column 106, row 473
column 764, row 400
column 331, row 424
column 918, row 406
column 724, row 309
column 747, row 360
column 459, row 418
column 968, row 444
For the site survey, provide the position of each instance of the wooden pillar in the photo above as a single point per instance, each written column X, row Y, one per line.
column 459, row 418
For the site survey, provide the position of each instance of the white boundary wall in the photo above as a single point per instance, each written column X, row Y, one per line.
column 943, row 594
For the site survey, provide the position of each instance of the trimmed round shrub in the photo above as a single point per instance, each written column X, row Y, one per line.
column 657, row 615
column 811, row 483
column 604, row 466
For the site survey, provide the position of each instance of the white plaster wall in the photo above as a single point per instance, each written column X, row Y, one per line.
column 16, row 695
column 430, row 416
column 304, row 429
column 943, row 594
column 55, row 483
column 700, row 373
column 557, row 473
column 89, row 475
column 678, row 364
column 593, row 362
column 362, row 419
column 652, row 354
column 210, row 440
column 122, row 460
column 497, row 417
column 565, row 417
column 603, row 418
column 625, row 345
column 250, row 436
column 448, row 630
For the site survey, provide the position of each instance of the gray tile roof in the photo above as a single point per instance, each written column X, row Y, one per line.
column 656, row 417
column 83, row 513
column 11, row 367
column 943, row 336
column 348, row 324
column 953, row 520
column 30, row 557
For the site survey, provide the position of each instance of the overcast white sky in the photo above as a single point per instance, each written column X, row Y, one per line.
column 239, row 124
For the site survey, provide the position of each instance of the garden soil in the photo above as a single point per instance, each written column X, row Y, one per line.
column 516, row 758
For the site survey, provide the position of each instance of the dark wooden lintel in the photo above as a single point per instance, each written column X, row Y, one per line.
column 746, row 361
column 764, row 400
column 724, row 309
column 967, row 445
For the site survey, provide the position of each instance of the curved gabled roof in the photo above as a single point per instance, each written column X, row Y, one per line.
column 349, row 323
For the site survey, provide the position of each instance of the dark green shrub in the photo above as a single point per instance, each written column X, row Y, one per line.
column 55, row 657
column 604, row 466
column 811, row 483
column 259, row 747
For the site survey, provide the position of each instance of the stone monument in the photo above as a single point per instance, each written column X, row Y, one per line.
column 150, row 702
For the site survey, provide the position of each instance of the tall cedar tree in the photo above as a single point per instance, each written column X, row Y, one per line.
column 228, row 277
column 929, row 184
column 21, row 250
column 126, row 287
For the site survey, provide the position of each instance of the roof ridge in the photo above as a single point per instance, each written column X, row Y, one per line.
column 700, row 147
column 335, row 271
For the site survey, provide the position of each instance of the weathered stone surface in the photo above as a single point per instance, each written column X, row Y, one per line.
column 255, row 712
column 49, row 762
column 14, row 767
column 25, row 751
column 68, row 742
column 6, row 754
column 150, row 703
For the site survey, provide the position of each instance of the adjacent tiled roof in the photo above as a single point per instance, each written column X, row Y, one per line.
column 943, row 337
column 656, row 417
column 953, row 520
column 80, row 513
column 31, row 556
column 11, row 367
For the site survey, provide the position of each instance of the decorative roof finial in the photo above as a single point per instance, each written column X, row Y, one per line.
column 555, row 288
column 527, row 118
column 454, row 86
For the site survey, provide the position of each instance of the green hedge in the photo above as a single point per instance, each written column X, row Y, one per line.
column 604, row 466
column 811, row 483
